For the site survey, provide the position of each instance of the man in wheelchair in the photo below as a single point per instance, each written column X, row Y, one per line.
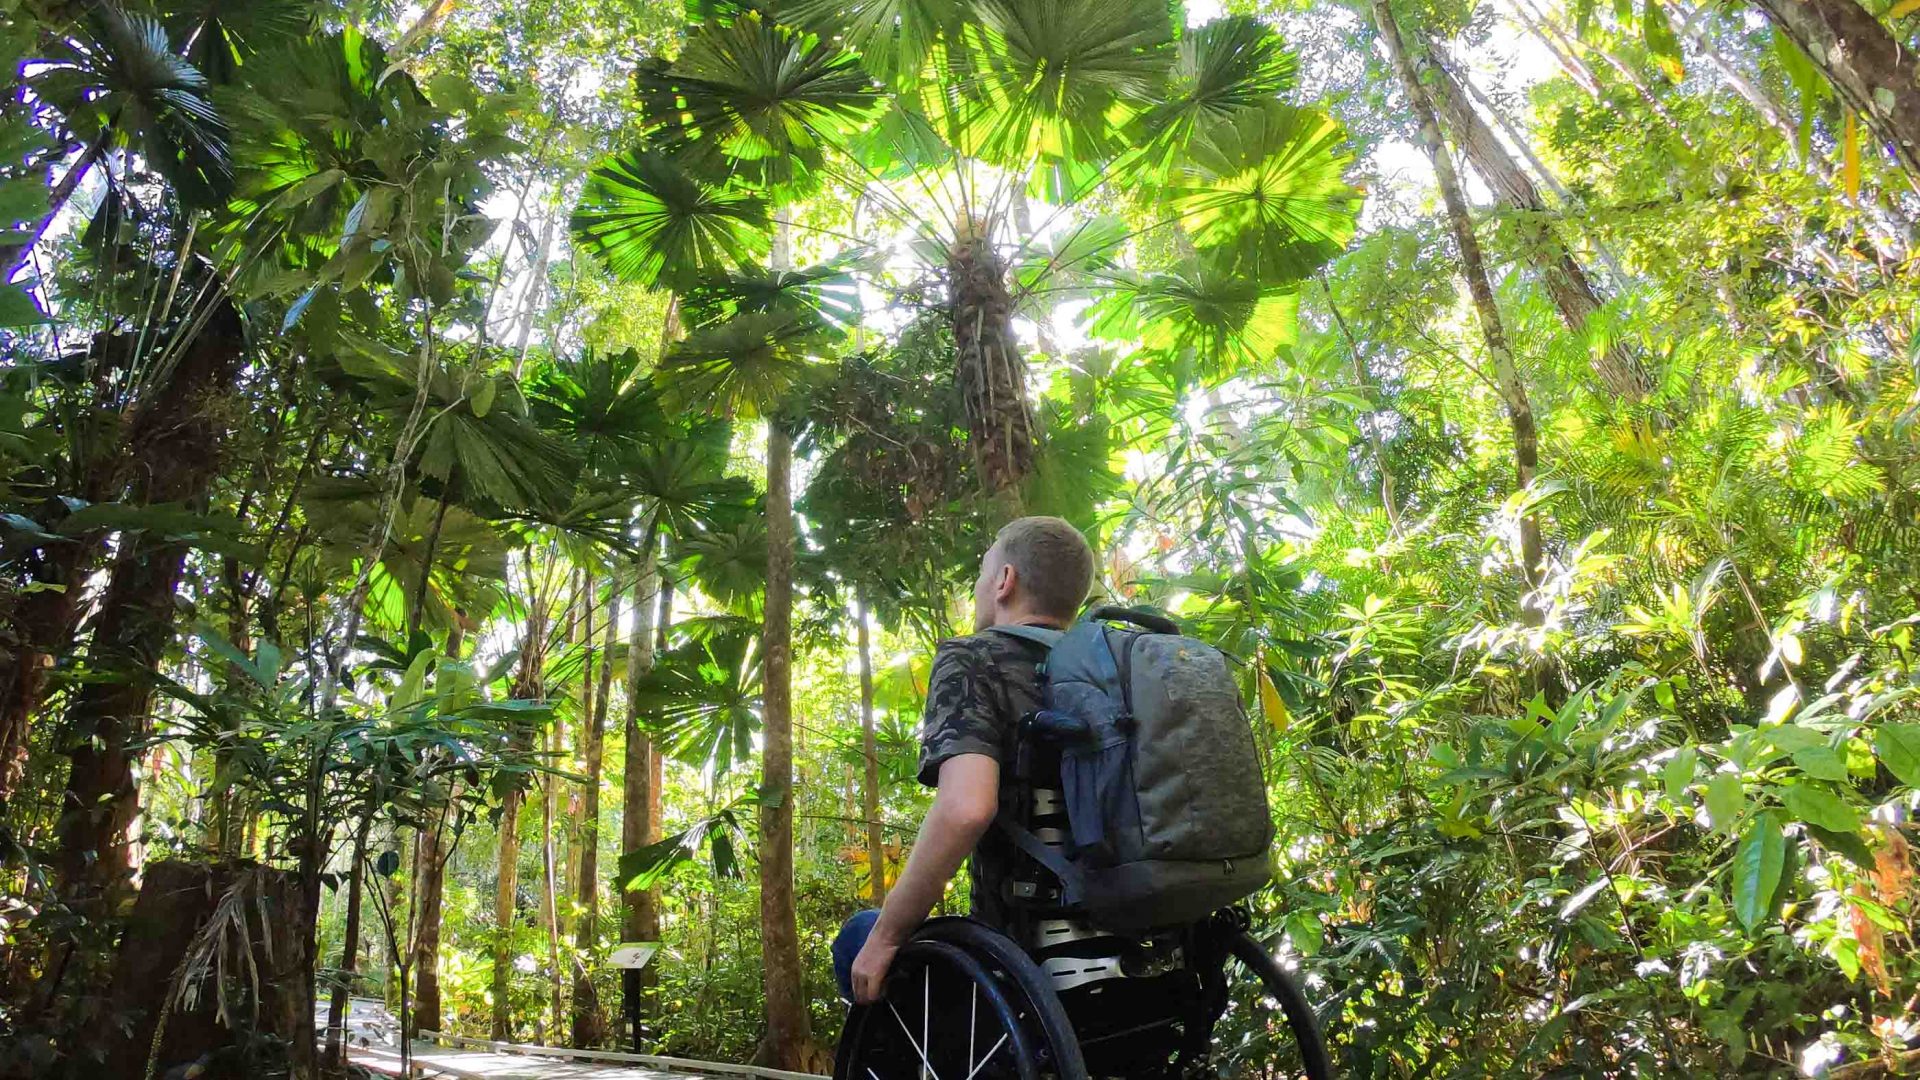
column 1033, row 739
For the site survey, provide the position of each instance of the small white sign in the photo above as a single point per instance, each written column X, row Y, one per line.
column 633, row 954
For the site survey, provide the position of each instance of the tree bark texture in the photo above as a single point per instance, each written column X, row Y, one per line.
column 640, row 908
column 529, row 685
column 587, row 1028
column 431, row 853
column 176, row 902
column 350, row 945
column 789, row 1038
column 870, row 755
column 991, row 372
column 1513, row 391
column 1874, row 74
column 175, row 442
column 1566, row 282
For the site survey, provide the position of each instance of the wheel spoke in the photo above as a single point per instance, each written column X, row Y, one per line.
column 978, row 1065
column 908, row 1032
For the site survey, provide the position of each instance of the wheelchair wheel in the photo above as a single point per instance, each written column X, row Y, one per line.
column 1268, row 1028
column 962, row 1003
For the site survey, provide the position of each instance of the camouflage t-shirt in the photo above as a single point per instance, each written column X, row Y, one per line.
column 980, row 689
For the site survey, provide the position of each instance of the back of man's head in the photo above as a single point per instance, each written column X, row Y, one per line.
column 1053, row 564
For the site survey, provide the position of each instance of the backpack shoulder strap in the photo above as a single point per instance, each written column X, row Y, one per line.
column 1072, row 887
column 1039, row 635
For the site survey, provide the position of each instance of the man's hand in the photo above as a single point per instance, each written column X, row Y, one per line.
column 962, row 809
column 870, row 968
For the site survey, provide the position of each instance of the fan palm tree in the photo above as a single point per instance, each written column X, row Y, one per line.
column 969, row 109
column 118, row 83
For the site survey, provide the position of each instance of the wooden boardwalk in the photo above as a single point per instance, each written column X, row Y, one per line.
column 476, row 1059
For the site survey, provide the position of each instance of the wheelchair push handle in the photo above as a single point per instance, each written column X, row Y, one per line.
column 1056, row 727
column 1140, row 617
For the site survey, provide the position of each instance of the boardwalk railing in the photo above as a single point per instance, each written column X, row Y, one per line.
column 613, row 1057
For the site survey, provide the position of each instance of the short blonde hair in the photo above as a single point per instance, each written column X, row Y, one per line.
column 1053, row 563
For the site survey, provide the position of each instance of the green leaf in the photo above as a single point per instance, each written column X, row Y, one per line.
column 481, row 402
column 1815, row 804
column 649, row 221
column 18, row 309
column 1822, row 763
column 1898, row 746
column 1757, row 865
column 1679, row 771
column 1846, row 843
column 1725, row 799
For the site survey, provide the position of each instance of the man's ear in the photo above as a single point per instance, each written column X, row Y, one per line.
column 1004, row 587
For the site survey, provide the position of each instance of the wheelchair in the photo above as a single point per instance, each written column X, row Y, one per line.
column 1052, row 996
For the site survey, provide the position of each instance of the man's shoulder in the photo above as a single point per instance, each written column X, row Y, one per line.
column 987, row 648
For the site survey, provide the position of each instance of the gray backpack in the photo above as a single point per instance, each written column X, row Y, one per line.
column 1165, row 801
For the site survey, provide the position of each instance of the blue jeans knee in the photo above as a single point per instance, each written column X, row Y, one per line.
column 847, row 945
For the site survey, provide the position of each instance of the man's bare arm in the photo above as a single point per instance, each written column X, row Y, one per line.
column 963, row 808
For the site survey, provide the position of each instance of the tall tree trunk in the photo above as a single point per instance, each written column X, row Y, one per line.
column 432, row 851
column 990, row 371
column 529, row 685
column 1874, row 74
column 350, row 944
column 789, row 1038
column 640, row 912
column 870, row 753
column 177, row 437
column 1513, row 391
column 1566, row 283
column 587, row 1029
column 430, row 856
column 549, row 892
column 43, row 627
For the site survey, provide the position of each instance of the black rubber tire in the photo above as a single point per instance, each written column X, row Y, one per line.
column 1293, row 1004
column 1044, row 1044
column 1060, row 1044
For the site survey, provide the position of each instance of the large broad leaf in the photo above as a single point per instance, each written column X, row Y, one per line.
column 703, row 699
column 1898, row 747
column 1757, row 865
column 755, row 100
column 1052, row 79
column 1265, row 194
column 651, row 222
column 1230, row 321
column 1220, row 69
column 744, row 365
column 826, row 290
column 1816, row 804
column 123, row 76
column 892, row 38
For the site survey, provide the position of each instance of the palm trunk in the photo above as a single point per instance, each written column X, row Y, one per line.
column 1526, row 440
column 640, row 918
column 869, row 750
column 44, row 624
column 789, row 1038
column 350, row 945
column 587, row 1029
column 529, row 685
column 1565, row 281
column 1874, row 74
column 990, row 371
column 550, row 885
column 431, row 853
column 177, row 439
column 506, row 888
